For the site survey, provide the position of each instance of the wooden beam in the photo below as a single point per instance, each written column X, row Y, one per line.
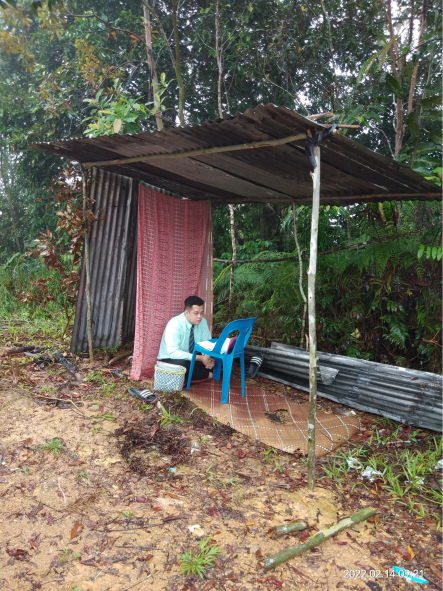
column 393, row 196
column 342, row 126
column 199, row 152
column 320, row 115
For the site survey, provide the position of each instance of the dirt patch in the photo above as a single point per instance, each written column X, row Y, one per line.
column 106, row 511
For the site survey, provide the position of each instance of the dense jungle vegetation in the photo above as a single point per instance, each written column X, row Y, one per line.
column 73, row 68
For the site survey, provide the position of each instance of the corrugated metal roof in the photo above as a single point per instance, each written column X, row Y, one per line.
column 349, row 171
column 113, row 255
column 405, row 395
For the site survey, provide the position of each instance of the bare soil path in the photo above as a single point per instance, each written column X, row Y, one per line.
column 117, row 501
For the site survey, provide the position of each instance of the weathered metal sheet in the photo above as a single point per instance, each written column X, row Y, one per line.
column 405, row 395
column 350, row 172
column 113, row 256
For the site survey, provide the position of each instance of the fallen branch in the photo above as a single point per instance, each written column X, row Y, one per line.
column 71, row 368
column 68, row 400
column 331, row 250
column 288, row 528
column 318, row 538
column 114, row 360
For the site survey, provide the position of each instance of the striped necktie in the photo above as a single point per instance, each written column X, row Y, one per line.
column 191, row 340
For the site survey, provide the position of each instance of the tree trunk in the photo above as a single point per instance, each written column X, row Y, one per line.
column 312, row 320
column 318, row 538
column 11, row 214
column 219, row 58
column 8, row 194
column 415, row 70
column 178, row 75
column 151, row 63
column 300, row 277
column 88, row 271
column 348, row 224
column 234, row 255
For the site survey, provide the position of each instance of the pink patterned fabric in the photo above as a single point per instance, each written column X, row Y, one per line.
column 174, row 261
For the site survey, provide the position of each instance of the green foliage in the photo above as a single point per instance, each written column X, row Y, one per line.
column 377, row 302
column 117, row 112
column 196, row 562
column 28, row 289
column 168, row 418
column 54, row 446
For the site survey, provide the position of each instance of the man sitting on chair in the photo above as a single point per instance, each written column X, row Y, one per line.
column 179, row 338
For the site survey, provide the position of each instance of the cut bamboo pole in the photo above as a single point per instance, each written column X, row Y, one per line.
column 88, row 271
column 318, row 538
column 288, row 528
column 312, row 319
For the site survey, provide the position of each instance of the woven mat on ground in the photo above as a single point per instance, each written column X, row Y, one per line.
column 251, row 415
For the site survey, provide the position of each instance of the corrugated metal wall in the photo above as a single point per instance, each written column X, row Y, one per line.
column 405, row 395
column 113, row 254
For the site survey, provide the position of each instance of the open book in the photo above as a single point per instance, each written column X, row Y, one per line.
column 225, row 348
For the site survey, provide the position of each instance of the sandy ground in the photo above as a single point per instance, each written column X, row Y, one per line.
column 84, row 520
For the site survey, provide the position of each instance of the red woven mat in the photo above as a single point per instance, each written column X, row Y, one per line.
column 174, row 261
column 259, row 413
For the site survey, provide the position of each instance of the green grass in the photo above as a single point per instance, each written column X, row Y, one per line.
column 54, row 446
column 169, row 419
column 268, row 454
column 22, row 297
column 194, row 563
column 403, row 471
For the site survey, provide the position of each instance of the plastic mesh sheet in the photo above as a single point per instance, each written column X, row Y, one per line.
column 272, row 419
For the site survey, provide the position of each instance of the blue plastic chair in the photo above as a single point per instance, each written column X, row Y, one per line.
column 244, row 326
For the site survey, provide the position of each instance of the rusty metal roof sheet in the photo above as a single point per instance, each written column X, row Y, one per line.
column 406, row 395
column 349, row 171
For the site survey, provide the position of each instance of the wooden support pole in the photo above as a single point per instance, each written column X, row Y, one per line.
column 312, row 319
column 200, row 151
column 88, row 270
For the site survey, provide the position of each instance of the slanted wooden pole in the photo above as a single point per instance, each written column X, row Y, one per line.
column 200, row 151
column 88, row 270
column 312, row 319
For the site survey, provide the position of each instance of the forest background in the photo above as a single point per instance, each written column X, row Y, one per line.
column 73, row 68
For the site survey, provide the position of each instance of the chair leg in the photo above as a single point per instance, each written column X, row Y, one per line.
column 242, row 371
column 217, row 370
column 227, row 368
column 191, row 369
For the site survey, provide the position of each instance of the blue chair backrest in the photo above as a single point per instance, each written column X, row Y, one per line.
column 244, row 326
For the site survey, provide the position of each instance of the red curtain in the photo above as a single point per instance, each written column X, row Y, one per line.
column 174, row 261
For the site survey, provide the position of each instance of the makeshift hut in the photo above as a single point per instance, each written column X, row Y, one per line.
column 152, row 243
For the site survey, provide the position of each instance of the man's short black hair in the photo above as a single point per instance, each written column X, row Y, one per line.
column 193, row 301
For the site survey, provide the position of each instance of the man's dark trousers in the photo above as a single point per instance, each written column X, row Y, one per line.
column 200, row 372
